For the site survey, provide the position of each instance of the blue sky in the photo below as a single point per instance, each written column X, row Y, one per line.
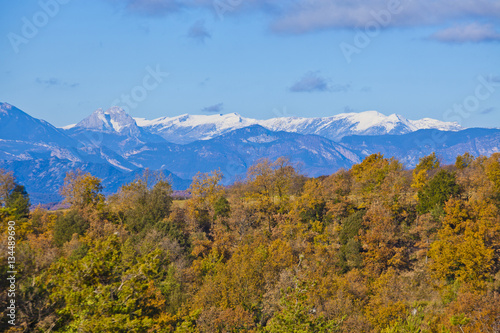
column 62, row 59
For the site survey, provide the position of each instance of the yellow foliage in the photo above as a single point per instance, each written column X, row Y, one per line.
column 420, row 173
column 82, row 189
column 463, row 250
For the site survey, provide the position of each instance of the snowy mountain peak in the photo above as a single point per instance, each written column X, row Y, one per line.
column 114, row 119
column 187, row 128
column 115, row 110
column 215, row 121
column 5, row 108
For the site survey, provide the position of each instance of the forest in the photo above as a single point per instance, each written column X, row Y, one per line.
column 377, row 248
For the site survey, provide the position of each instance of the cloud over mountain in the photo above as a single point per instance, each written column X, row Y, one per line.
column 217, row 108
column 313, row 81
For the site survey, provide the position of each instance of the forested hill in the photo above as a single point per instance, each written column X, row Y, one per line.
column 376, row 248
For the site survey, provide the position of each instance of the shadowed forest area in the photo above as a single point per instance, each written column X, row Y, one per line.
column 376, row 248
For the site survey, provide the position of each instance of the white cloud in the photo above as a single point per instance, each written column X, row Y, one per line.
column 468, row 33
column 327, row 14
column 302, row 16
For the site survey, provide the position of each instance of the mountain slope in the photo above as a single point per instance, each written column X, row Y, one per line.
column 16, row 125
column 235, row 151
column 43, row 178
column 410, row 147
column 24, row 137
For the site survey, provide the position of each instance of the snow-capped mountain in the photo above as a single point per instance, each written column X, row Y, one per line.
column 113, row 120
column 40, row 154
column 112, row 128
column 115, row 147
column 188, row 128
column 363, row 123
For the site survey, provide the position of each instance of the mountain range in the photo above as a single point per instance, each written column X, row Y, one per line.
column 188, row 128
column 115, row 147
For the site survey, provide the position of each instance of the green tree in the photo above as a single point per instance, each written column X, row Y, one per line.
column 222, row 208
column 350, row 246
column 144, row 202
column 437, row 191
column 14, row 200
column 296, row 315
column 19, row 201
column 463, row 161
column 110, row 289
column 68, row 224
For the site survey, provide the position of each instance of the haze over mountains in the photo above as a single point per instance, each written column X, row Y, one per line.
column 116, row 147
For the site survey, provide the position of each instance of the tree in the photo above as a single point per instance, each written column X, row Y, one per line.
column 421, row 171
column 437, row 191
column 110, row 289
column 205, row 191
column 14, row 199
column 222, row 208
column 144, row 202
column 7, row 185
column 381, row 240
column 68, row 224
column 273, row 179
column 311, row 205
column 296, row 315
column 350, row 246
column 337, row 192
column 492, row 170
column 82, row 189
column 465, row 248
column 19, row 201
column 386, row 306
column 270, row 185
column 369, row 176
column 463, row 161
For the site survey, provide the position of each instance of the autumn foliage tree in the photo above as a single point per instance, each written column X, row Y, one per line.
column 82, row 189
column 206, row 200
column 467, row 242
column 376, row 248
column 369, row 176
column 423, row 168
